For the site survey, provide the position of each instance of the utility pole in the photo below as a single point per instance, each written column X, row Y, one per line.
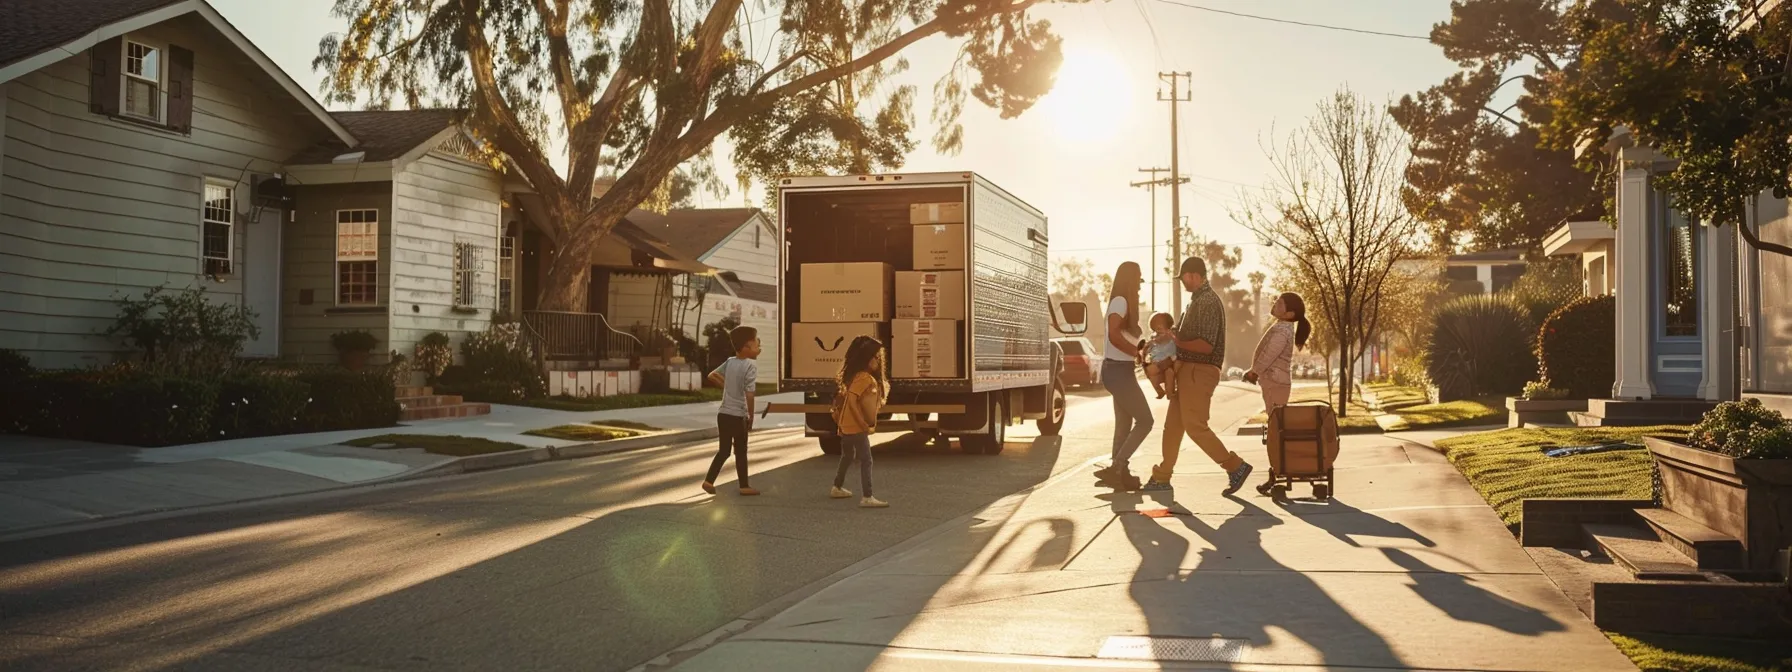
column 1176, row 96
column 1153, row 184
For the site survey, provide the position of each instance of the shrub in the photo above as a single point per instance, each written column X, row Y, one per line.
column 353, row 340
column 1743, row 429
column 150, row 410
column 1481, row 346
column 397, row 368
column 1541, row 391
column 15, row 376
column 1574, row 347
column 434, row 354
column 1409, row 371
column 63, row 404
column 184, row 334
column 348, row 400
column 716, row 344
column 259, row 405
column 501, row 357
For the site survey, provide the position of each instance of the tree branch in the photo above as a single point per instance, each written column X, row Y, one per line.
column 507, row 131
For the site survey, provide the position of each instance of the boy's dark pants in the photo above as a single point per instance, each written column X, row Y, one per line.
column 733, row 436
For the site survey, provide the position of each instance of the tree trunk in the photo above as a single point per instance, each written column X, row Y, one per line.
column 568, row 278
column 1343, row 376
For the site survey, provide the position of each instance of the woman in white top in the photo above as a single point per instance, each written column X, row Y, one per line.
column 1132, row 414
column 1270, row 366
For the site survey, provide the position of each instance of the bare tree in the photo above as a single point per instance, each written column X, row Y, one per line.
column 1333, row 212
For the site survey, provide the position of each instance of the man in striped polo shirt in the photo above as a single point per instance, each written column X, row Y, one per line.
column 1200, row 352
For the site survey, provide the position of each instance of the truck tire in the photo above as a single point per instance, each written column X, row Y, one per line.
column 993, row 442
column 1057, row 404
column 830, row 445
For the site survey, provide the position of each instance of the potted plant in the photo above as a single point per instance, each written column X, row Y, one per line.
column 1733, row 474
column 352, row 347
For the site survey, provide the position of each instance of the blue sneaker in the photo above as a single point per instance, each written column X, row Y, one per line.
column 1236, row 479
column 1155, row 486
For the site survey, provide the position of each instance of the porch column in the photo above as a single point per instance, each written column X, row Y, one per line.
column 1717, row 311
column 1630, row 267
column 1484, row 273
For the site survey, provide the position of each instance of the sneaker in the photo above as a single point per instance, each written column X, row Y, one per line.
column 1131, row 484
column 1156, row 486
column 1106, row 475
column 873, row 503
column 1236, row 479
column 709, row 487
column 839, row 493
column 748, row 492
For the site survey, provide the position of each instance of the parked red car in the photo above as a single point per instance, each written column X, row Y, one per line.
column 1082, row 365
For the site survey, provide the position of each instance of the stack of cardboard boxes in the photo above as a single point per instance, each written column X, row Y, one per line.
column 923, row 306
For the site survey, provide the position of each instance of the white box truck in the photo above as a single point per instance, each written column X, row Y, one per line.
column 968, row 378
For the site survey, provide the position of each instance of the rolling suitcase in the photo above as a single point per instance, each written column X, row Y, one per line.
column 1302, row 439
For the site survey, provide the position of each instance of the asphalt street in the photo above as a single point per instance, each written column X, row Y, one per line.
column 599, row 564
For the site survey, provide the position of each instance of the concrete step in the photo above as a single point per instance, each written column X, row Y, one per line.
column 1639, row 551
column 414, row 391
column 440, row 412
column 1708, row 549
column 429, row 401
column 1633, row 413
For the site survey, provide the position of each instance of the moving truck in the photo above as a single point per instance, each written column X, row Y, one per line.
column 951, row 273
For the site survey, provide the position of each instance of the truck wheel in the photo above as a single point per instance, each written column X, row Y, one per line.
column 830, row 445
column 1053, row 422
column 993, row 442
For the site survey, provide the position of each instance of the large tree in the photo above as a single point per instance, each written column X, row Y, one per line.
column 1478, row 176
column 1700, row 80
column 1332, row 211
column 567, row 88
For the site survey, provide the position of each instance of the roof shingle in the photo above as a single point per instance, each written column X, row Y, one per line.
column 693, row 231
column 31, row 27
column 384, row 134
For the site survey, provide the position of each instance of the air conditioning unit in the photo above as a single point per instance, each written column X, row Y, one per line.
column 269, row 191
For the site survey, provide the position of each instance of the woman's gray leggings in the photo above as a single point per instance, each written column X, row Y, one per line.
column 851, row 444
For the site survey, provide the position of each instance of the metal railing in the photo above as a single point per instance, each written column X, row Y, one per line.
column 579, row 336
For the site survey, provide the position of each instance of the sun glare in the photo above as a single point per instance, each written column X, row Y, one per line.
column 1093, row 94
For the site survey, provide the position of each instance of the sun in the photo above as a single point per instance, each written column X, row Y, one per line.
column 1092, row 97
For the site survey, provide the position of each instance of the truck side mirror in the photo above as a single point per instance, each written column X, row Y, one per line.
column 1076, row 318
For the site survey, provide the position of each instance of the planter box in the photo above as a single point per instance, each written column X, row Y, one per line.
column 1523, row 411
column 1750, row 500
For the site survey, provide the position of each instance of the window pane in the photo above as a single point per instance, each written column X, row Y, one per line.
column 217, row 240
column 356, row 282
column 143, row 61
column 1680, row 294
column 140, row 99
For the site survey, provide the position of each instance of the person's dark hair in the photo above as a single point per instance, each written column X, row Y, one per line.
column 858, row 358
column 1194, row 265
column 1163, row 316
column 1303, row 328
column 1127, row 280
column 739, row 337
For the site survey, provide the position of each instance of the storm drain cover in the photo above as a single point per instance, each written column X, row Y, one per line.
column 1183, row 649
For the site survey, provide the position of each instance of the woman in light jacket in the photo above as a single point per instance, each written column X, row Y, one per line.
column 1270, row 366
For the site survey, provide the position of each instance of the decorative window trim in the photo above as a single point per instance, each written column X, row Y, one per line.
column 159, row 81
column 361, row 259
column 212, row 262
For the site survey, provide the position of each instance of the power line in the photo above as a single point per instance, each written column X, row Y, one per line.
column 1293, row 22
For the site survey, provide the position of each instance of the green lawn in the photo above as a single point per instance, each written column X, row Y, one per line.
column 453, row 446
column 1361, row 418
column 625, row 424
column 1673, row 653
column 1508, row 466
column 1393, row 397
column 584, row 433
column 625, row 401
column 1462, row 413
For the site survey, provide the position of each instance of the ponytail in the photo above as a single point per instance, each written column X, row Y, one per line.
column 1303, row 328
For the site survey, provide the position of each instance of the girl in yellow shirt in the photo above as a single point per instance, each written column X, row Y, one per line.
column 862, row 390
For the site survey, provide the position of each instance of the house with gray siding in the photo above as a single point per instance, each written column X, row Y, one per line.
column 741, row 244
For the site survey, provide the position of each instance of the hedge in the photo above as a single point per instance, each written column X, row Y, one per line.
column 259, row 405
column 1574, row 347
column 343, row 399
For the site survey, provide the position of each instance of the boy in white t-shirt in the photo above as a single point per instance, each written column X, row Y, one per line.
column 1160, row 355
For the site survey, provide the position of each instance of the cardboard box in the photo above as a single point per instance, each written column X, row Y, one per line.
column 936, row 213
column 818, row 349
column 924, row 349
column 940, row 247
column 930, row 295
column 845, row 292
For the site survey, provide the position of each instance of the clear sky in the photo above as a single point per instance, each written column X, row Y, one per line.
column 1075, row 153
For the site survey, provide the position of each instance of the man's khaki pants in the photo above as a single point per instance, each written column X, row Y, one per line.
column 1188, row 414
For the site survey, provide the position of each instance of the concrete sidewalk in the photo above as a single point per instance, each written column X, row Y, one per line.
column 1407, row 568
column 46, row 484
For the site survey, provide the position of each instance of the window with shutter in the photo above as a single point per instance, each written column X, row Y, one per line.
column 143, row 83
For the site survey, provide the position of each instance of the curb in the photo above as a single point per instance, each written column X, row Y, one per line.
column 460, row 465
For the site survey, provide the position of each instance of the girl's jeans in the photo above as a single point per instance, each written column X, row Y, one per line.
column 850, row 445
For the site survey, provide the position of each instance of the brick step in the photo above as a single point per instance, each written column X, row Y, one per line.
column 1708, row 549
column 1639, row 551
column 441, row 412
column 429, row 401
column 414, row 391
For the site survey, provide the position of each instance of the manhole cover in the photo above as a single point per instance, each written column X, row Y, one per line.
column 1184, row 649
